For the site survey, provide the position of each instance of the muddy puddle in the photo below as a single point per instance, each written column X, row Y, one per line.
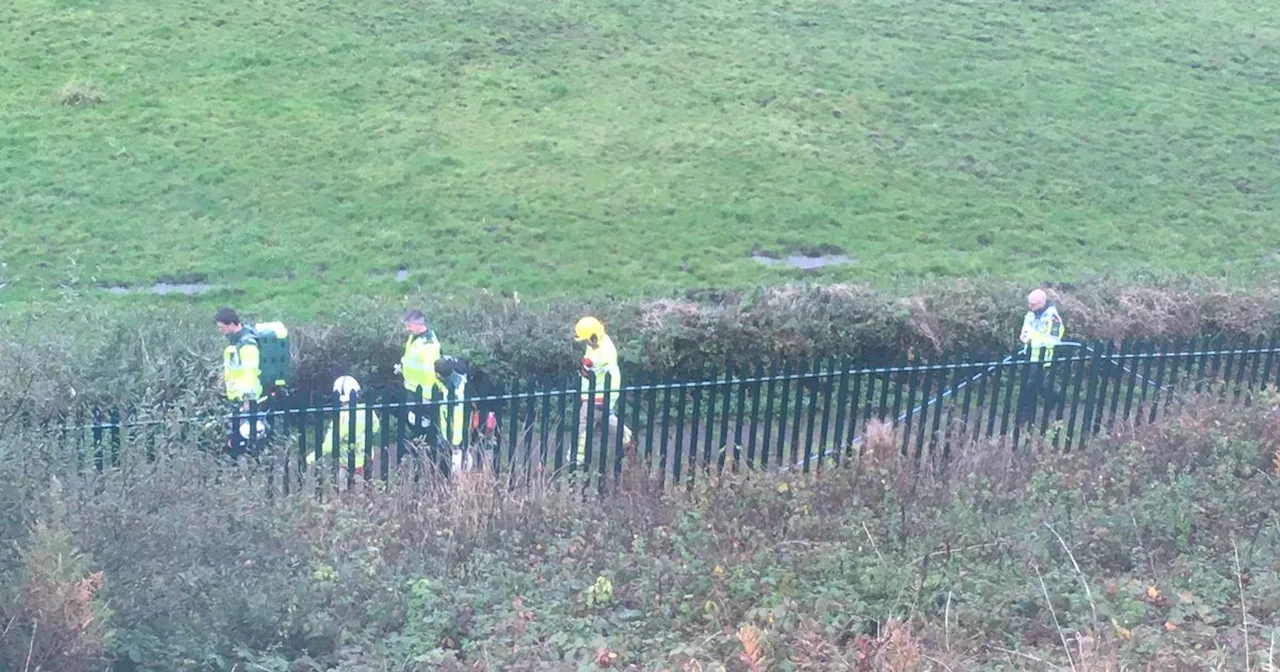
column 803, row 262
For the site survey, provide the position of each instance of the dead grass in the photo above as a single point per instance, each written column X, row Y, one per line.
column 81, row 94
column 56, row 621
column 655, row 314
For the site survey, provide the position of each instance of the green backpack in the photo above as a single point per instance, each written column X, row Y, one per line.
column 273, row 354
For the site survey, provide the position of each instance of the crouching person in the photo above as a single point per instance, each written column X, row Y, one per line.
column 348, row 389
column 451, row 376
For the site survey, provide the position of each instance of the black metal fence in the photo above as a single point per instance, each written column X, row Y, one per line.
column 792, row 415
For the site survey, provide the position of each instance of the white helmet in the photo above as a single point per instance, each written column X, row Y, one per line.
column 345, row 387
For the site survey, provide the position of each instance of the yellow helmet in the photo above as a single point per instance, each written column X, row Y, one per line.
column 586, row 328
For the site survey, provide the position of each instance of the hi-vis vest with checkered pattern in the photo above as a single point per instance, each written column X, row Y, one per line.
column 1043, row 331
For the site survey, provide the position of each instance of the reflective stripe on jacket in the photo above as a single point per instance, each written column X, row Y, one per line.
column 241, row 371
column 417, row 365
column 1043, row 331
column 346, row 440
column 451, row 413
column 604, row 360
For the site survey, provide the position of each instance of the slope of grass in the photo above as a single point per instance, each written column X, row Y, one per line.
column 297, row 152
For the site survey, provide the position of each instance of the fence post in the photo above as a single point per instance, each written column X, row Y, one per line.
column 1068, row 377
column 532, row 394
column 700, row 461
column 677, row 460
column 926, row 393
column 643, row 379
column 816, row 394
column 562, row 403
column 1233, row 364
column 1241, row 364
column 1271, row 351
column 1020, row 368
column 115, row 437
column 739, row 416
column 1259, row 349
column 766, row 438
column 619, row 436
column 830, row 393
column 897, row 369
column 1138, row 354
column 544, row 433
column 1056, row 379
column 1264, row 381
column 992, row 383
column 610, row 389
column 855, row 401
column 726, row 410
column 757, row 375
column 512, row 406
column 380, row 399
column 1216, row 365
column 966, row 409
column 842, row 398
column 578, row 448
column 947, row 363
column 1155, row 360
column 96, row 429
column 401, row 401
column 695, row 427
column 1183, row 349
column 1165, row 356
column 1096, row 404
column 665, row 441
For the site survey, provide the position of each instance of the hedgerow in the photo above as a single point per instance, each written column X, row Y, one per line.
column 57, row 356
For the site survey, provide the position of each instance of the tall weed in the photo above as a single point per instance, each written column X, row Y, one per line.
column 1107, row 559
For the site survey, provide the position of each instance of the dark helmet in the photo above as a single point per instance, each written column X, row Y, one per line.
column 448, row 365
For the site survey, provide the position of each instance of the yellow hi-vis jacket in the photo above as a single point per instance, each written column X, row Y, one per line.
column 1041, row 332
column 347, row 440
column 241, row 370
column 417, row 365
column 604, row 360
column 451, row 413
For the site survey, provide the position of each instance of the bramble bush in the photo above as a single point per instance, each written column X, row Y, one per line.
column 55, row 357
column 1140, row 552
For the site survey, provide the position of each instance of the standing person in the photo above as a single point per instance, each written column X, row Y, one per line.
column 241, row 375
column 417, row 366
column 1042, row 331
column 599, row 360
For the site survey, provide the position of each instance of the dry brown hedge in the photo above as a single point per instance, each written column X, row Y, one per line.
column 167, row 353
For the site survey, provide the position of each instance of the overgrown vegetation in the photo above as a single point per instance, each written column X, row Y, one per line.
column 55, row 356
column 293, row 154
column 1158, row 549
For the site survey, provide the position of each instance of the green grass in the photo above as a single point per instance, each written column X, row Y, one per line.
column 301, row 152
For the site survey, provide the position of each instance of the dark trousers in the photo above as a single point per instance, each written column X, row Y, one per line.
column 1037, row 385
column 421, row 429
column 241, row 422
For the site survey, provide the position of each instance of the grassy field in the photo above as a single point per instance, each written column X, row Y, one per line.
column 295, row 153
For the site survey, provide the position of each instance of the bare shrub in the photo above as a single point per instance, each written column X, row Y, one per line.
column 57, row 619
column 880, row 440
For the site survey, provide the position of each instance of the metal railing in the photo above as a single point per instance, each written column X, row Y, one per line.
column 797, row 415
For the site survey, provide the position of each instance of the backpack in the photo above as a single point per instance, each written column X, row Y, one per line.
column 273, row 354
